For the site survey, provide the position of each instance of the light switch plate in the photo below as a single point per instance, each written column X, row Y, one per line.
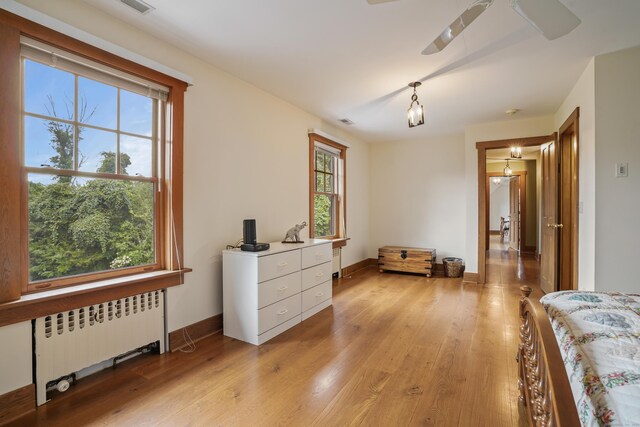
column 622, row 170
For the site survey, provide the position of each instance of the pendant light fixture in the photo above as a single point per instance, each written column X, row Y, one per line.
column 507, row 169
column 416, row 111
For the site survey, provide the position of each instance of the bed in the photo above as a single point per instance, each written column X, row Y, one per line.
column 579, row 358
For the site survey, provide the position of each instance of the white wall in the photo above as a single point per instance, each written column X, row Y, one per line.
column 234, row 168
column 498, row 203
column 583, row 95
column 15, row 357
column 418, row 195
column 514, row 128
column 617, row 135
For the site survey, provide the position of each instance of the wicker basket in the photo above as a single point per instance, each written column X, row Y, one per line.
column 453, row 267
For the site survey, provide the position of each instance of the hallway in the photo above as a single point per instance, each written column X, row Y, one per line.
column 505, row 267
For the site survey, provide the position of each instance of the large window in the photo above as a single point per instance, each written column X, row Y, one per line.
column 327, row 187
column 91, row 153
column 90, row 139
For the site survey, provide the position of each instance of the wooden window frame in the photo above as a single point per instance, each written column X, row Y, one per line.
column 341, row 205
column 158, row 123
column 13, row 222
column 332, row 193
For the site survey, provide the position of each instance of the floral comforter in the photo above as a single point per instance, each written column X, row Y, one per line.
column 599, row 339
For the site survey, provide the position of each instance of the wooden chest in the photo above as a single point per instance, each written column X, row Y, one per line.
column 409, row 260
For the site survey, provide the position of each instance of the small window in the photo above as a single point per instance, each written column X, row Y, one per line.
column 90, row 154
column 327, row 185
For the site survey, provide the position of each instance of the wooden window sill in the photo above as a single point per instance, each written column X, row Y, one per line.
column 40, row 304
column 340, row 242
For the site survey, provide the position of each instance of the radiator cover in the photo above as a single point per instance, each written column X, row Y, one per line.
column 69, row 341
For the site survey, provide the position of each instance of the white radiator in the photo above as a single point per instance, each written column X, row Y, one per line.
column 73, row 340
column 336, row 266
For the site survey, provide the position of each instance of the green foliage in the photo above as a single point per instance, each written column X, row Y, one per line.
column 91, row 232
column 108, row 162
column 77, row 228
column 324, row 208
column 322, row 216
column 62, row 143
column 62, row 135
column 80, row 225
column 83, row 228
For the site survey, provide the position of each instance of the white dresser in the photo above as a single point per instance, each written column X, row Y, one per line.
column 265, row 293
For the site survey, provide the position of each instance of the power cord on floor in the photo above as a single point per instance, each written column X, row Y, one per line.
column 191, row 346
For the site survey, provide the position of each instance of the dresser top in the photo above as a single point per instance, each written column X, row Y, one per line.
column 278, row 247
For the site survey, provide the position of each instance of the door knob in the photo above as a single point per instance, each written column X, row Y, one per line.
column 555, row 225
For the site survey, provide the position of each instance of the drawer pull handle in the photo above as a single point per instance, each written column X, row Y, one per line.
column 281, row 312
column 283, row 288
column 319, row 274
column 319, row 294
column 282, row 265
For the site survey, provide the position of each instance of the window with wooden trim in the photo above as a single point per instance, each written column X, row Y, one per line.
column 53, row 142
column 90, row 143
column 156, row 186
column 327, row 188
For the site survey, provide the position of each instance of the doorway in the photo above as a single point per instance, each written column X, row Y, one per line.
column 507, row 208
column 484, row 152
column 559, row 204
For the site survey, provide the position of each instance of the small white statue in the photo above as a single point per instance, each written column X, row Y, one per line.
column 293, row 235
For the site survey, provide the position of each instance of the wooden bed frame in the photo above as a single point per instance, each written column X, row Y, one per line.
column 542, row 379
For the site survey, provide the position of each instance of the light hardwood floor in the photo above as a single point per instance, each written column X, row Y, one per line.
column 393, row 350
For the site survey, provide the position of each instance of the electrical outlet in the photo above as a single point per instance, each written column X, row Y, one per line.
column 622, row 170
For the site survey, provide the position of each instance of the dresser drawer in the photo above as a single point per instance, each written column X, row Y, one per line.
column 278, row 289
column 271, row 316
column 316, row 295
column 315, row 275
column 316, row 255
column 272, row 266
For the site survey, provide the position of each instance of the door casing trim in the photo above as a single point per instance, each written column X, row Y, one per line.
column 571, row 126
column 482, row 147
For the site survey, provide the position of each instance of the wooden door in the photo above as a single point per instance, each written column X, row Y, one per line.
column 548, row 254
column 514, row 213
column 567, row 234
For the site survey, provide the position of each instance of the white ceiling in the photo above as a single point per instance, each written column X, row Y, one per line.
column 346, row 58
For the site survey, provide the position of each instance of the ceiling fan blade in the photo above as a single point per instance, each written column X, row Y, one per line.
column 379, row 1
column 550, row 17
column 457, row 26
